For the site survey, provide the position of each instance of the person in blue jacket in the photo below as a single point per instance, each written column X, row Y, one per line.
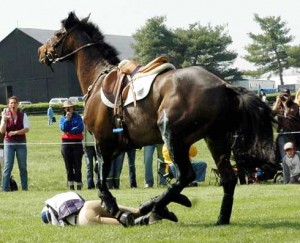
column 71, row 124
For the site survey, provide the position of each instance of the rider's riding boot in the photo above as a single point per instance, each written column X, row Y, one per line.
column 126, row 219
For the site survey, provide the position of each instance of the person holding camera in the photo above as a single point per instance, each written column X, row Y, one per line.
column 288, row 116
column 14, row 125
column 71, row 148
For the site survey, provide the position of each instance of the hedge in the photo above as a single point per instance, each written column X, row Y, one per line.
column 41, row 108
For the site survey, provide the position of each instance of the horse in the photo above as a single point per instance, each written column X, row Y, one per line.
column 183, row 106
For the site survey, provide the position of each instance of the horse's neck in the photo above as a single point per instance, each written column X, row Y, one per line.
column 88, row 71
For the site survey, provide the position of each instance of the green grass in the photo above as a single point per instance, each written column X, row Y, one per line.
column 262, row 212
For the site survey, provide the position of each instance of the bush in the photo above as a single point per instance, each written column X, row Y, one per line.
column 41, row 108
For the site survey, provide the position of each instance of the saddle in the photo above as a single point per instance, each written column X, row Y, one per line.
column 119, row 81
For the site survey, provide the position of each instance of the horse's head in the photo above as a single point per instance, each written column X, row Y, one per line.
column 55, row 47
column 74, row 36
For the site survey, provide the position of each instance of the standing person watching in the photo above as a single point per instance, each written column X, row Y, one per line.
column 288, row 116
column 148, row 162
column 50, row 115
column 291, row 164
column 15, row 125
column 1, row 155
column 71, row 148
column 90, row 156
column 199, row 167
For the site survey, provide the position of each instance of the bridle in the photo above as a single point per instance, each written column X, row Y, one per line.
column 58, row 44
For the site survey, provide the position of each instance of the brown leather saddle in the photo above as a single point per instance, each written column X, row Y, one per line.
column 117, row 83
column 115, row 87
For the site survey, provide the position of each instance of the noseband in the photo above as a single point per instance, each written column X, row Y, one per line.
column 58, row 44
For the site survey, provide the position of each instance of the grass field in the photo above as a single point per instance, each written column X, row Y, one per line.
column 261, row 213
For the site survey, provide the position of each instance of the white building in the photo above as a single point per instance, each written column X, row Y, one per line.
column 255, row 85
column 291, row 79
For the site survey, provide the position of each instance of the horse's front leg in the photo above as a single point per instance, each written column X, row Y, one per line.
column 108, row 201
column 228, row 181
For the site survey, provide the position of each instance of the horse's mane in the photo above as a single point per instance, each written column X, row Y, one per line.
column 92, row 30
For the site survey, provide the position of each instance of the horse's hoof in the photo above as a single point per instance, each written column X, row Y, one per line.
column 222, row 221
column 182, row 200
column 164, row 214
column 126, row 219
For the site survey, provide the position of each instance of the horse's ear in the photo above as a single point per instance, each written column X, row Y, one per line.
column 70, row 21
column 85, row 20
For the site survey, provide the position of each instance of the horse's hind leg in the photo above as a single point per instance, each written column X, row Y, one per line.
column 220, row 150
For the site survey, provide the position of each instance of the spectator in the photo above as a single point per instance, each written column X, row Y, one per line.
column 199, row 167
column 291, row 164
column 288, row 117
column 50, row 115
column 1, row 156
column 297, row 97
column 148, row 162
column 113, row 178
column 71, row 148
column 15, row 125
column 59, row 212
column 262, row 95
column 90, row 156
column 131, row 166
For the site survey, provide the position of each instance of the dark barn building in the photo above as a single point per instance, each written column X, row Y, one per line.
column 21, row 73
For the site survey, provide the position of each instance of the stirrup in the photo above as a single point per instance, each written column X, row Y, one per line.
column 118, row 128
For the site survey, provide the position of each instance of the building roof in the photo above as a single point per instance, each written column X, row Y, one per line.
column 120, row 42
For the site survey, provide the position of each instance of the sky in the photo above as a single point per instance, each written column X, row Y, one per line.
column 119, row 17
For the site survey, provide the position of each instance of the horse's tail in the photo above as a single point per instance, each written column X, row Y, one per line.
column 254, row 122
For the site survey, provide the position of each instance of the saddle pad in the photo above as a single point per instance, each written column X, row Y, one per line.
column 141, row 88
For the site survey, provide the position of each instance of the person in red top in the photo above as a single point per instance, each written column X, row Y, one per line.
column 71, row 148
column 14, row 124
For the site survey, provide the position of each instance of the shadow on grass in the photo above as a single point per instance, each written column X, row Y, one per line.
column 266, row 225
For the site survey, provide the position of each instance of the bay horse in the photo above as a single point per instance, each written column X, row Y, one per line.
column 182, row 107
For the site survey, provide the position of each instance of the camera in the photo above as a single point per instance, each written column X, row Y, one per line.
column 68, row 109
column 282, row 98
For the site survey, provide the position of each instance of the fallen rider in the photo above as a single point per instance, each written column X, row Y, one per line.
column 70, row 208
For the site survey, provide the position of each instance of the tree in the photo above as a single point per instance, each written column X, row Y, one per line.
column 207, row 46
column 269, row 49
column 197, row 45
column 152, row 40
column 294, row 56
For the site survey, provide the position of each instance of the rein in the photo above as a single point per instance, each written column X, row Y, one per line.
column 103, row 72
column 58, row 59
